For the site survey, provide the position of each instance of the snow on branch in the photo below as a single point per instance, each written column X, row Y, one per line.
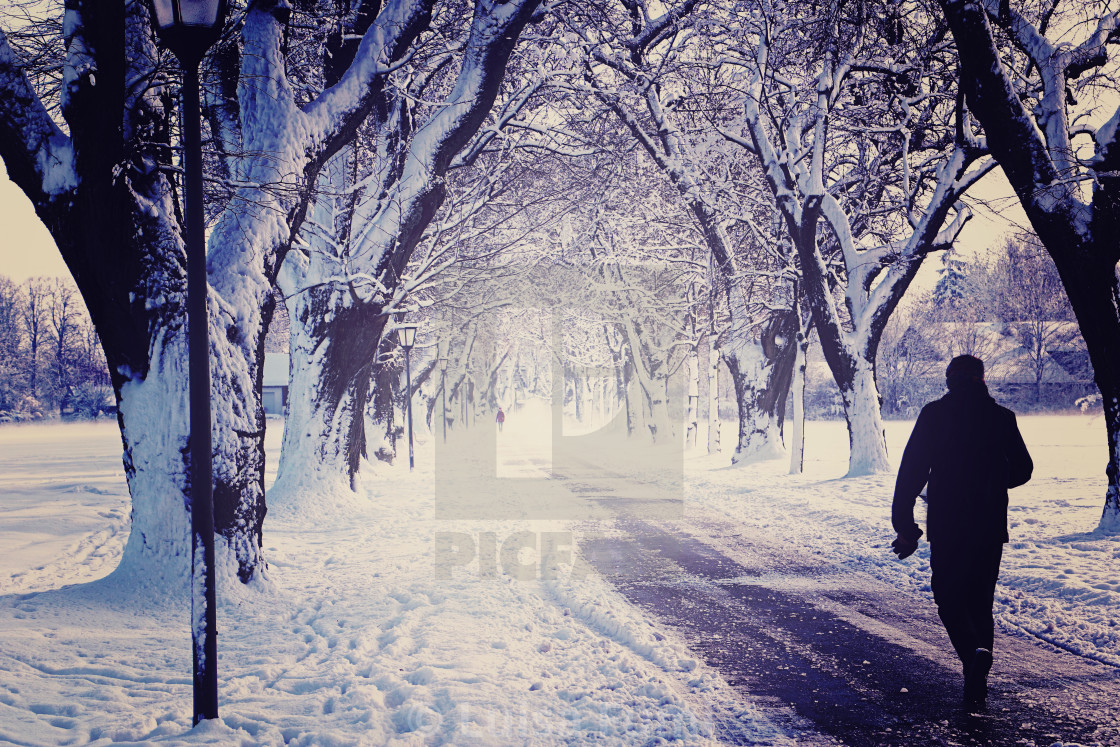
column 654, row 30
column 38, row 155
column 1092, row 52
column 506, row 118
column 841, row 226
column 403, row 194
column 384, row 47
column 1034, row 44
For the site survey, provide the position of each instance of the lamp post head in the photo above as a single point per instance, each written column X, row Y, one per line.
column 188, row 27
column 406, row 335
column 443, row 365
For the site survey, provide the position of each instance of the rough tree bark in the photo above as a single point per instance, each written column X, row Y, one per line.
column 650, row 378
column 762, row 373
column 692, row 412
column 713, row 396
column 797, row 394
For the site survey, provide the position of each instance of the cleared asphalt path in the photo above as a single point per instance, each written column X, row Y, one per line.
column 844, row 659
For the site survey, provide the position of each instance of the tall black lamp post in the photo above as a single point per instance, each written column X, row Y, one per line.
column 188, row 28
column 443, row 390
column 406, row 334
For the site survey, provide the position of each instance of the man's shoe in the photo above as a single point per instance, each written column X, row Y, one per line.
column 976, row 680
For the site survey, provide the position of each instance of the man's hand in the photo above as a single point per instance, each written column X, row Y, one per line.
column 904, row 547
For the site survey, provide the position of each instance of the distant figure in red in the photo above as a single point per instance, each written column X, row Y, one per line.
column 501, row 418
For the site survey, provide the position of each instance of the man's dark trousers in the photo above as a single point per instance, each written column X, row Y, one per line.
column 964, row 585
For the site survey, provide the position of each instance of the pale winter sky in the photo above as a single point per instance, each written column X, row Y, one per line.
column 27, row 250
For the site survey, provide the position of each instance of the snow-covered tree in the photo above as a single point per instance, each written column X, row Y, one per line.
column 92, row 155
column 64, row 316
column 1030, row 302
column 12, row 378
column 373, row 211
column 644, row 267
column 908, row 361
column 850, row 113
column 35, row 317
column 71, row 370
column 1034, row 76
column 648, row 70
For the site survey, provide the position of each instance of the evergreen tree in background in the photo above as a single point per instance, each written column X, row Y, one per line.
column 952, row 283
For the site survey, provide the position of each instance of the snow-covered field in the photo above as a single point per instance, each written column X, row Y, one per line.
column 381, row 625
column 357, row 641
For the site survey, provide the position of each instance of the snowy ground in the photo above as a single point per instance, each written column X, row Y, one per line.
column 1059, row 578
column 359, row 640
column 382, row 625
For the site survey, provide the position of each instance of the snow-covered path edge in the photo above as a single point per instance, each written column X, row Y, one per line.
column 1058, row 581
column 357, row 639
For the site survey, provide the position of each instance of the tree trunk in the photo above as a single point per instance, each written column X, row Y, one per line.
column 652, row 383
column 33, row 381
column 691, row 417
column 762, row 372
column 713, row 397
column 635, row 419
column 332, row 350
column 797, row 392
column 238, row 445
column 866, row 435
column 384, row 416
column 1093, row 287
column 850, row 358
column 155, row 426
column 151, row 389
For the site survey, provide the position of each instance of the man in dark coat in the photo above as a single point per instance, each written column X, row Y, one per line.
column 967, row 451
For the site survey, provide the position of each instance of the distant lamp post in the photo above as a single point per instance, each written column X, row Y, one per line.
column 188, row 28
column 443, row 389
column 406, row 334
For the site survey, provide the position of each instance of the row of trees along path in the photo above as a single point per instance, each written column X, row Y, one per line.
column 813, row 156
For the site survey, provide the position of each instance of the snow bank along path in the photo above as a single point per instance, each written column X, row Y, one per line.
column 357, row 642
column 354, row 641
column 1059, row 579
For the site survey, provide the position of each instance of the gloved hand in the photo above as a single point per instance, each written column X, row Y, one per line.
column 903, row 547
